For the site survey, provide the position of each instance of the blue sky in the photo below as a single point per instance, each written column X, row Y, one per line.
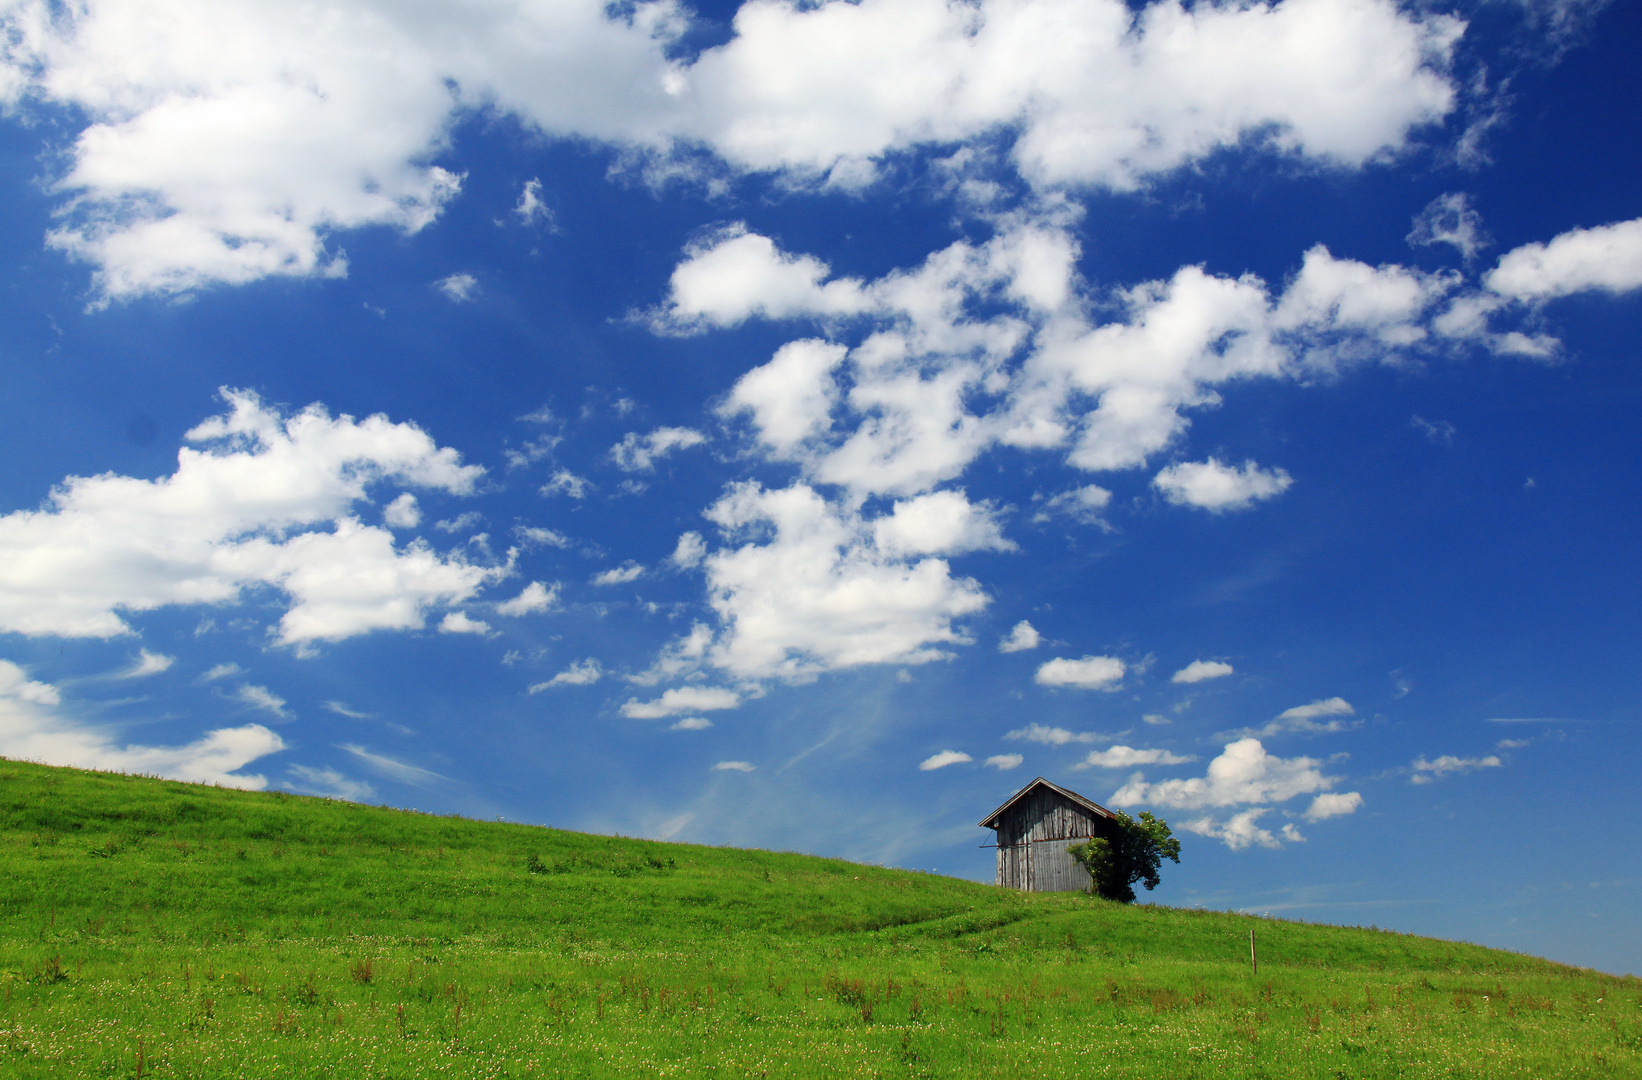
column 800, row 426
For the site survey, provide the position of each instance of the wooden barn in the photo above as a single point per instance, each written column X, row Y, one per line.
column 1035, row 827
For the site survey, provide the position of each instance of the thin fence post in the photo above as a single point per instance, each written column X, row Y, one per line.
column 1254, row 962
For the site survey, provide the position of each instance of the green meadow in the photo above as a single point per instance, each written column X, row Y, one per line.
column 153, row 928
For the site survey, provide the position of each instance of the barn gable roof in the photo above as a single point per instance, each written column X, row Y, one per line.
column 991, row 822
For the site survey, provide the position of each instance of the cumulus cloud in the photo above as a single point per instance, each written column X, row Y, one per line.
column 460, row 622
column 1607, row 258
column 1021, row 638
column 536, row 536
column 1426, row 770
column 1216, row 487
column 943, row 759
column 1243, row 773
column 1003, row 762
column 531, row 210
column 565, row 482
column 682, row 699
column 991, row 344
column 639, row 453
column 1089, row 673
column 1239, row 831
column 1127, row 757
column 803, row 587
column 402, row 513
column 222, row 671
column 940, row 523
column 241, row 135
column 1053, row 736
column 1086, row 504
column 146, row 664
column 1449, row 219
column 1309, row 719
column 458, row 288
column 689, row 551
column 619, row 575
column 1333, row 804
column 34, row 726
column 691, row 723
column 1200, row 670
column 533, row 599
column 581, row 673
column 243, row 509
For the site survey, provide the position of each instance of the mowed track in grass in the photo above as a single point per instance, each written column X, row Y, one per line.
column 153, row 928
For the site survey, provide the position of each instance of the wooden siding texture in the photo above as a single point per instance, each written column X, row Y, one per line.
column 1033, row 836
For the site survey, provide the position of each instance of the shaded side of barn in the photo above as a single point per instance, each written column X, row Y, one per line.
column 1035, row 827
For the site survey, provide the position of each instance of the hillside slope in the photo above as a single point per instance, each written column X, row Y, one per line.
column 154, row 928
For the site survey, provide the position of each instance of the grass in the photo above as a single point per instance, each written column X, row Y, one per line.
column 156, row 929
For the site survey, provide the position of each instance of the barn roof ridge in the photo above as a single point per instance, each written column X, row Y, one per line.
column 990, row 821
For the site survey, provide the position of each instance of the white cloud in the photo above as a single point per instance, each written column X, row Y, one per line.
column 262, row 698
column 619, row 575
column 1243, row 773
column 1216, row 487
column 681, row 657
column 734, row 766
column 1200, row 670
column 682, row 699
column 689, row 552
column 940, row 523
column 639, row 453
column 329, row 783
column 460, row 523
column 691, row 723
column 1333, row 804
column 1053, row 736
column 943, row 759
column 990, row 344
column 240, row 511
column 565, row 482
column 1306, row 719
column 1021, row 638
column 1426, row 771
column 146, row 664
column 392, row 768
column 1089, row 673
column 227, row 141
column 402, row 513
column 1607, row 258
column 459, row 622
column 458, row 288
column 791, row 397
column 1449, row 219
column 1086, row 504
column 732, row 275
column 1003, row 762
column 535, row 536
column 1237, row 832
column 342, row 709
column 533, row 599
column 222, row 671
column 808, row 590
column 581, row 673
column 530, row 209
column 1127, row 757
column 34, row 727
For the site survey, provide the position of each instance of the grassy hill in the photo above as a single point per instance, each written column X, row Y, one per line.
column 153, row 928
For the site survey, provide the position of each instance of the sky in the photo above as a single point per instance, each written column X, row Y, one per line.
column 798, row 425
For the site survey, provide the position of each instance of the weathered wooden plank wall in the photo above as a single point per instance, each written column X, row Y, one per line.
column 1033, row 836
